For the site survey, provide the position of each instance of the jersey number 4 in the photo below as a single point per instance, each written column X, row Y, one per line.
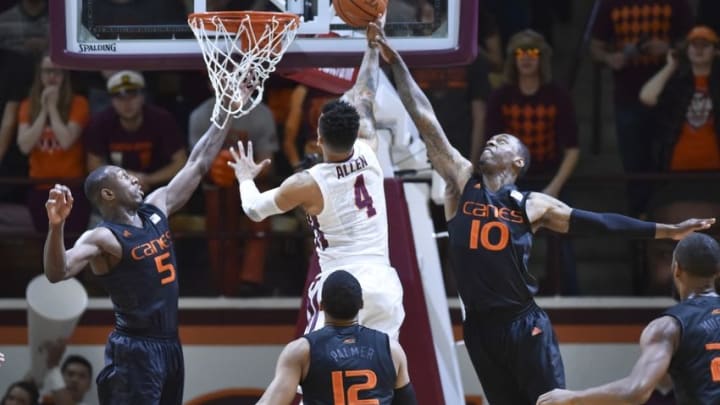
column 163, row 267
column 340, row 397
column 480, row 235
column 363, row 199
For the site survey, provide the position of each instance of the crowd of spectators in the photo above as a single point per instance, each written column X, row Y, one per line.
column 57, row 125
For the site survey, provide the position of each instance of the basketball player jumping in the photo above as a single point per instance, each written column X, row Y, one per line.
column 343, row 359
column 344, row 200
column 491, row 224
column 131, row 252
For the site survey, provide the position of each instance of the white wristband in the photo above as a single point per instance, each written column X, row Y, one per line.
column 257, row 206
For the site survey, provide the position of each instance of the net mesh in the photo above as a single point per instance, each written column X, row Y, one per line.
column 240, row 50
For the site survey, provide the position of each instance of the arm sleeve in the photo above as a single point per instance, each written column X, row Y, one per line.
column 404, row 396
column 592, row 223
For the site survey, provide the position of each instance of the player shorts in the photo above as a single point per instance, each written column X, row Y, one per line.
column 141, row 371
column 382, row 298
column 517, row 357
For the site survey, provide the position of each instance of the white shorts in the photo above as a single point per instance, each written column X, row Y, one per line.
column 382, row 299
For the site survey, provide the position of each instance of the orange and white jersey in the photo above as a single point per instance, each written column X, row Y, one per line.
column 352, row 227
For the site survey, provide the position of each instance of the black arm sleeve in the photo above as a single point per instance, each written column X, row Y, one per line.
column 404, row 395
column 592, row 223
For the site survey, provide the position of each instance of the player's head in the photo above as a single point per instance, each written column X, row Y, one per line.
column 341, row 296
column 338, row 126
column 528, row 54
column 21, row 393
column 109, row 186
column 696, row 262
column 77, row 374
column 504, row 152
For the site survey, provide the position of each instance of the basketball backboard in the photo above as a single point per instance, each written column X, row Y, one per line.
column 153, row 34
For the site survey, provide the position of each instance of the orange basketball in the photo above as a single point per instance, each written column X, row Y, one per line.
column 358, row 13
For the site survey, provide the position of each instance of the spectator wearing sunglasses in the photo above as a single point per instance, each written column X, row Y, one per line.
column 540, row 113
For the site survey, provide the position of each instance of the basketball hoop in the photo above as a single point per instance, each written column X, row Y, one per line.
column 241, row 49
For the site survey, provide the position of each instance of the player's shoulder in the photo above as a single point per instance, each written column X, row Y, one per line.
column 298, row 349
column 100, row 236
column 665, row 328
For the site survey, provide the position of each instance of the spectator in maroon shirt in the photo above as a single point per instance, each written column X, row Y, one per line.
column 632, row 37
column 540, row 113
column 143, row 139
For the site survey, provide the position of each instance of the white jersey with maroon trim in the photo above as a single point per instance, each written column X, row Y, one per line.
column 352, row 226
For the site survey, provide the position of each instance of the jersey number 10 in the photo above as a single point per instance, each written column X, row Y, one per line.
column 480, row 235
column 340, row 397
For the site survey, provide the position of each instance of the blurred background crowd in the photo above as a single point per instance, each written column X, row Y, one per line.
column 614, row 98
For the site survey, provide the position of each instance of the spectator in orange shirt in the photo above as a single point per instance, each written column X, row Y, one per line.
column 685, row 94
column 51, row 121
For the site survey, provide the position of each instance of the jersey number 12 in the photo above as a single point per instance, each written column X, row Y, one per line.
column 340, row 397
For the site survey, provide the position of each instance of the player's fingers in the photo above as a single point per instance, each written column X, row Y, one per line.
column 241, row 149
column 234, row 155
column 265, row 163
column 250, row 150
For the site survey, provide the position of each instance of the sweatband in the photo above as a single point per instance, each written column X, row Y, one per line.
column 593, row 223
column 404, row 395
column 53, row 380
column 257, row 205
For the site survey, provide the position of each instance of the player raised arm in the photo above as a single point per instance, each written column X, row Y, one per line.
column 297, row 190
column 172, row 197
column 292, row 366
column 452, row 166
column 545, row 211
column 60, row 264
column 657, row 344
column 362, row 95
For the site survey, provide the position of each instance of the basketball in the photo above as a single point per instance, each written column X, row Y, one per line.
column 358, row 13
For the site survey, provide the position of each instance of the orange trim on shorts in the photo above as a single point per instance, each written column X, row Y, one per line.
column 588, row 333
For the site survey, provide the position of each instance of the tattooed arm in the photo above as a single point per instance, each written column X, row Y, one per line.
column 362, row 95
column 450, row 164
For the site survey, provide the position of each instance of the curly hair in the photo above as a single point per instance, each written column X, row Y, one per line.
column 338, row 125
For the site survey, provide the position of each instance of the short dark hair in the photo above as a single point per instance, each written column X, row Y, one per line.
column 339, row 125
column 341, row 295
column 26, row 386
column 94, row 182
column 524, row 153
column 77, row 359
column 699, row 255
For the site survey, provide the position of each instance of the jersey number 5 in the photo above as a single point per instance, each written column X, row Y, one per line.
column 363, row 199
column 481, row 232
column 165, row 267
column 339, row 395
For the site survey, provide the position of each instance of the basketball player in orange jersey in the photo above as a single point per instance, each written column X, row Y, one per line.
column 491, row 224
column 344, row 200
column 131, row 252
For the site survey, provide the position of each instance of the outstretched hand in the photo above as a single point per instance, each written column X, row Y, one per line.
column 243, row 164
column 59, row 204
column 685, row 228
column 376, row 37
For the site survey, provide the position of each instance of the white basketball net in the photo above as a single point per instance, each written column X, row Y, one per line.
column 239, row 62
